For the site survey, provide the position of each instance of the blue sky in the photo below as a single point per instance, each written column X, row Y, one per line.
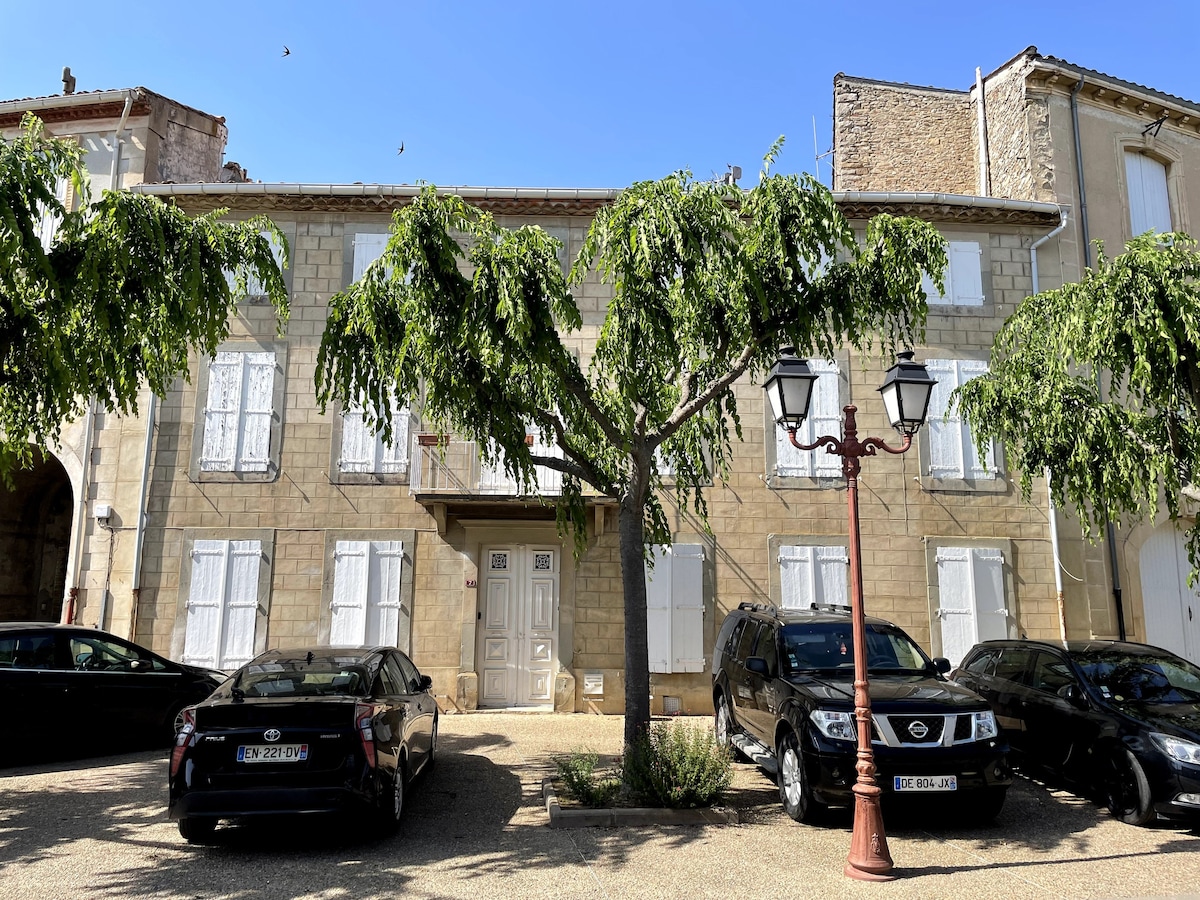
column 558, row 94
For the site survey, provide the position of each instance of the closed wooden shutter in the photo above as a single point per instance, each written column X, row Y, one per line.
column 675, row 609
column 952, row 452
column 222, row 607
column 257, row 412
column 222, row 411
column 367, row 249
column 383, row 593
column 971, row 601
column 393, row 457
column 49, row 222
column 1149, row 201
column 358, row 444
column 824, row 417
column 366, row 593
column 254, row 286
column 810, row 574
column 963, row 279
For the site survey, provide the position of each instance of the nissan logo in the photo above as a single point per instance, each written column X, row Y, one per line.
column 917, row 729
column 274, row 734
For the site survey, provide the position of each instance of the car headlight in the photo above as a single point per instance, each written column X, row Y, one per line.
column 1177, row 748
column 835, row 724
column 985, row 725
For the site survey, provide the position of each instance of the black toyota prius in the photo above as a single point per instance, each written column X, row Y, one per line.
column 1117, row 719
column 313, row 730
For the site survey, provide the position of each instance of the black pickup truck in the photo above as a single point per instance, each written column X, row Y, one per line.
column 783, row 692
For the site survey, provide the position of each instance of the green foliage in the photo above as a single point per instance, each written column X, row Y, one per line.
column 125, row 289
column 582, row 782
column 678, row 765
column 1099, row 383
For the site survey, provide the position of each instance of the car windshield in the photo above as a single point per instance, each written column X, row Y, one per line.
column 1147, row 676
column 298, row 678
column 822, row 646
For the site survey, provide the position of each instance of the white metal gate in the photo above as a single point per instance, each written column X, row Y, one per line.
column 516, row 654
column 1171, row 608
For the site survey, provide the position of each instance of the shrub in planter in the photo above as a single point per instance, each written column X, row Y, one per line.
column 579, row 777
column 678, row 765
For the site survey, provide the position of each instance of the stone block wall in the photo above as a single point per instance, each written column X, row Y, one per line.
column 897, row 137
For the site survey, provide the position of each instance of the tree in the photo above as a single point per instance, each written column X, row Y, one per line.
column 1097, row 384
column 707, row 282
column 113, row 300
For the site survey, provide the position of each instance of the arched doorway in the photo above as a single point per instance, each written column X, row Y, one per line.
column 1171, row 608
column 35, row 536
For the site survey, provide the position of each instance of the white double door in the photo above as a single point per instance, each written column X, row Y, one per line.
column 517, row 646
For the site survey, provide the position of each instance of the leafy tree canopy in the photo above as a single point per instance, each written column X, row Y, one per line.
column 477, row 322
column 1098, row 383
column 118, row 296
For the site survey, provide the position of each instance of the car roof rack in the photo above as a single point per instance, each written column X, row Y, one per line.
column 759, row 607
column 831, row 607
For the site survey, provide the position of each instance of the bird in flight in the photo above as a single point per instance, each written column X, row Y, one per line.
column 286, row 50
column 401, row 150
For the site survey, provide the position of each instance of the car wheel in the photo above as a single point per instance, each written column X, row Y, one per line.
column 723, row 723
column 197, row 830
column 795, row 790
column 391, row 800
column 1126, row 790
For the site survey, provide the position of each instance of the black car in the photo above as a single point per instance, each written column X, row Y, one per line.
column 117, row 693
column 317, row 730
column 1118, row 720
column 784, row 696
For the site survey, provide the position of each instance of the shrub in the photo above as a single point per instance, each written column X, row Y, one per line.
column 679, row 765
column 582, row 782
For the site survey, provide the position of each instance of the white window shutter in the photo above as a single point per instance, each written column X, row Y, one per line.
column 945, row 429
column 956, row 609
column 687, row 608
column 383, row 596
column 49, row 222
column 393, row 457
column 257, row 412
column 254, row 287
column 222, row 413
column 824, row 417
column 351, row 566
column 241, row 611
column 549, row 481
column 367, row 249
column 206, row 603
column 1149, row 202
column 831, row 571
column 796, row 577
column 357, row 443
column 966, row 273
column 976, row 467
column 658, row 610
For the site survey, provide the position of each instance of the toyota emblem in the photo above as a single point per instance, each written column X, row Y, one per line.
column 917, row 729
column 274, row 734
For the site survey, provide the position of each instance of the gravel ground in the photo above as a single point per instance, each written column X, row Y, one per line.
column 475, row 828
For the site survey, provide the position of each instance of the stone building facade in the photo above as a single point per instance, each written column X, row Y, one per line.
column 1118, row 159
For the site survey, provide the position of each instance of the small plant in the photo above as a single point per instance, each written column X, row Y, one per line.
column 582, row 782
column 678, row 765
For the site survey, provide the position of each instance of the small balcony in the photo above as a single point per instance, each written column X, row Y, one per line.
column 447, row 467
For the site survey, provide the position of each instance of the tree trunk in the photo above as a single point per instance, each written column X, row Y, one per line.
column 637, row 656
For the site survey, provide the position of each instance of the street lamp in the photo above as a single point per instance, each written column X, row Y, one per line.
column 906, row 391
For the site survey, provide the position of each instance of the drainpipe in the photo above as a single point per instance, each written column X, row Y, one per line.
column 143, row 516
column 1110, row 531
column 72, row 598
column 1053, row 511
column 981, row 122
column 115, row 173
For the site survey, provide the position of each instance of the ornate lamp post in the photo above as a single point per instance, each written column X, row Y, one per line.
column 906, row 391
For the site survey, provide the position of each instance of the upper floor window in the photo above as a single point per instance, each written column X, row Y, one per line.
column 952, row 453
column 254, row 287
column 238, row 412
column 824, row 417
column 368, row 247
column 963, row 278
column 363, row 450
column 1149, row 203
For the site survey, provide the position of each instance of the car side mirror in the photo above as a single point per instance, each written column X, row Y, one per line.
column 424, row 683
column 1073, row 695
column 941, row 664
column 757, row 665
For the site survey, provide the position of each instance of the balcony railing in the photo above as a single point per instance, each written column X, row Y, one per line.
column 453, row 467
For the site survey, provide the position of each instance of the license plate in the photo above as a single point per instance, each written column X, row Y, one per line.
column 923, row 783
column 259, row 753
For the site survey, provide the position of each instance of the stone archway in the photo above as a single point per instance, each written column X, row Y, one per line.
column 35, row 538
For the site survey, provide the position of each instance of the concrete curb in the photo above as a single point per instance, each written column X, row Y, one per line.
column 611, row 818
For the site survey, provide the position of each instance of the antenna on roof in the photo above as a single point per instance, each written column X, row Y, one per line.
column 732, row 176
column 68, row 80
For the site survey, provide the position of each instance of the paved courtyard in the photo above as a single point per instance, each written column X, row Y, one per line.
column 476, row 828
